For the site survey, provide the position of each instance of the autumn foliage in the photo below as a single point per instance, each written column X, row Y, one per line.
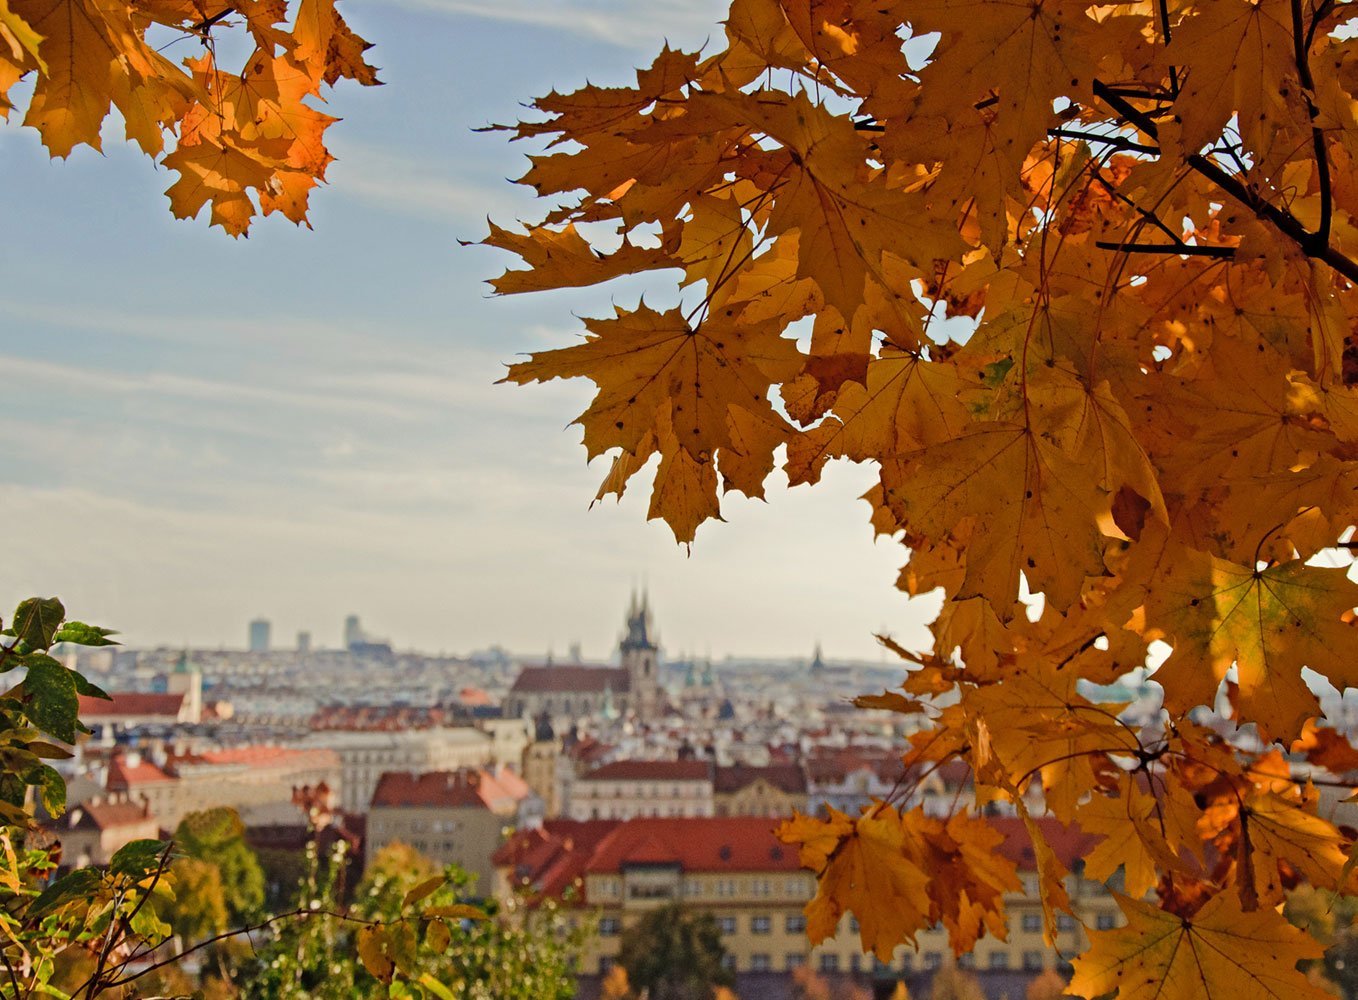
column 241, row 136
column 1078, row 280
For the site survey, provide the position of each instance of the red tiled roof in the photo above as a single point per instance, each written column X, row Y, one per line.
column 651, row 770
column 788, row 777
column 131, row 703
column 572, row 680
column 1068, row 843
column 446, row 789
column 107, row 815
column 698, row 844
column 553, row 857
column 473, row 696
column 267, row 756
column 123, row 775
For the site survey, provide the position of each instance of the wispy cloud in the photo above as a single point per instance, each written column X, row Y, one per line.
column 682, row 22
column 420, row 189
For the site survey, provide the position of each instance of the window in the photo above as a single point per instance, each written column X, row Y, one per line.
column 759, row 962
column 1032, row 922
column 853, row 924
column 998, row 960
column 795, row 960
column 855, row 962
column 829, row 963
column 1105, row 921
column 728, row 961
column 605, row 964
column 1065, row 922
column 727, row 925
column 967, row 961
column 796, row 923
column 1032, row 960
column 933, row 959
column 609, row 926
column 907, row 961
column 760, row 925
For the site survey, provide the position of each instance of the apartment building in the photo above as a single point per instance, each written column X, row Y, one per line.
column 366, row 756
column 630, row 788
column 737, row 870
column 452, row 817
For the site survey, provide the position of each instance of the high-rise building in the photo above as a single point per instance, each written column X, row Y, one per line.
column 353, row 632
column 259, row 635
column 303, row 642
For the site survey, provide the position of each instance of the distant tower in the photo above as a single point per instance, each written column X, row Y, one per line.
column 304, row 642
column 259, row 635
column 353, row 632
column 185, row 679
column 541, row 763
column 817, row 663
column 639, row 657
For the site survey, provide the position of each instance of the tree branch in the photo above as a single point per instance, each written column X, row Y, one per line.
column 1169, row 249
column 1263, row 208
column 301, row 911
column 1116, row 141
column 1308, row 88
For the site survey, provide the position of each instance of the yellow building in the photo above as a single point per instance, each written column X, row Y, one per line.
column 735, row 869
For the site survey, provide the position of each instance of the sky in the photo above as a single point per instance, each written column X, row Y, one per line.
column 302, row 425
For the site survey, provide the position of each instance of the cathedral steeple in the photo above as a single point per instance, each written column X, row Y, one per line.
column 640, row 654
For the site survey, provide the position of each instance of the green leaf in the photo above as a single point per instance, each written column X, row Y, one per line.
column 425, row 888
column 139, row 858
column 85, row 635
column 75, row 885
column 37, row 619
column 435, row 987
column 83, row 685
column 52, row 788
column 457, row 911
column 50, row 751
column 53, row 704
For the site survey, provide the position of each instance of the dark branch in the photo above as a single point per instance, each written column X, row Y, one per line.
column 1169, row 249
column 1116, row 141
column 1288, row 223
column 1308, row 87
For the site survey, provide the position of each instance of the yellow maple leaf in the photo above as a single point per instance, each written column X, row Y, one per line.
column 1220, row 952
column 863, row 868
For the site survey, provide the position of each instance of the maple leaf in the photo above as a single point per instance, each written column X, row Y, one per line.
column 1079, row 281
column 1267, row 623
column 863, row 868
column 1048, row 531
column 1218, row 952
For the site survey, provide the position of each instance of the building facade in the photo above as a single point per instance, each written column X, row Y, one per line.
column 567, row 692
column 629, row 788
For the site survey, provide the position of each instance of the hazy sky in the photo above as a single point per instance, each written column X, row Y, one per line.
column 300, row 425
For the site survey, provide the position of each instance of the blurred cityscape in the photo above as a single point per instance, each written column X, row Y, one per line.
column 619, row 785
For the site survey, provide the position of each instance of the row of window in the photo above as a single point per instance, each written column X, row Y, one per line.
column 1032, row 922
column 1031, row 961
column 794, row 923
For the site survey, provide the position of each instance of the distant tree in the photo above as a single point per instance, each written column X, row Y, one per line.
column 675, row 955
column 1333, row 921
column 199, row 908
column 1051, row 985
column 954, row 984
column 217, row 836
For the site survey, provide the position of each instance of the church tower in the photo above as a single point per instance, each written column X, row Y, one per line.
column 541, row 765
column 640, row 658
column 186, row 679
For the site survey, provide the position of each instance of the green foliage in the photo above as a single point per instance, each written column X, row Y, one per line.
column 217, row 836
column 410, row 934
column 675, row 955
column 199, row 909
